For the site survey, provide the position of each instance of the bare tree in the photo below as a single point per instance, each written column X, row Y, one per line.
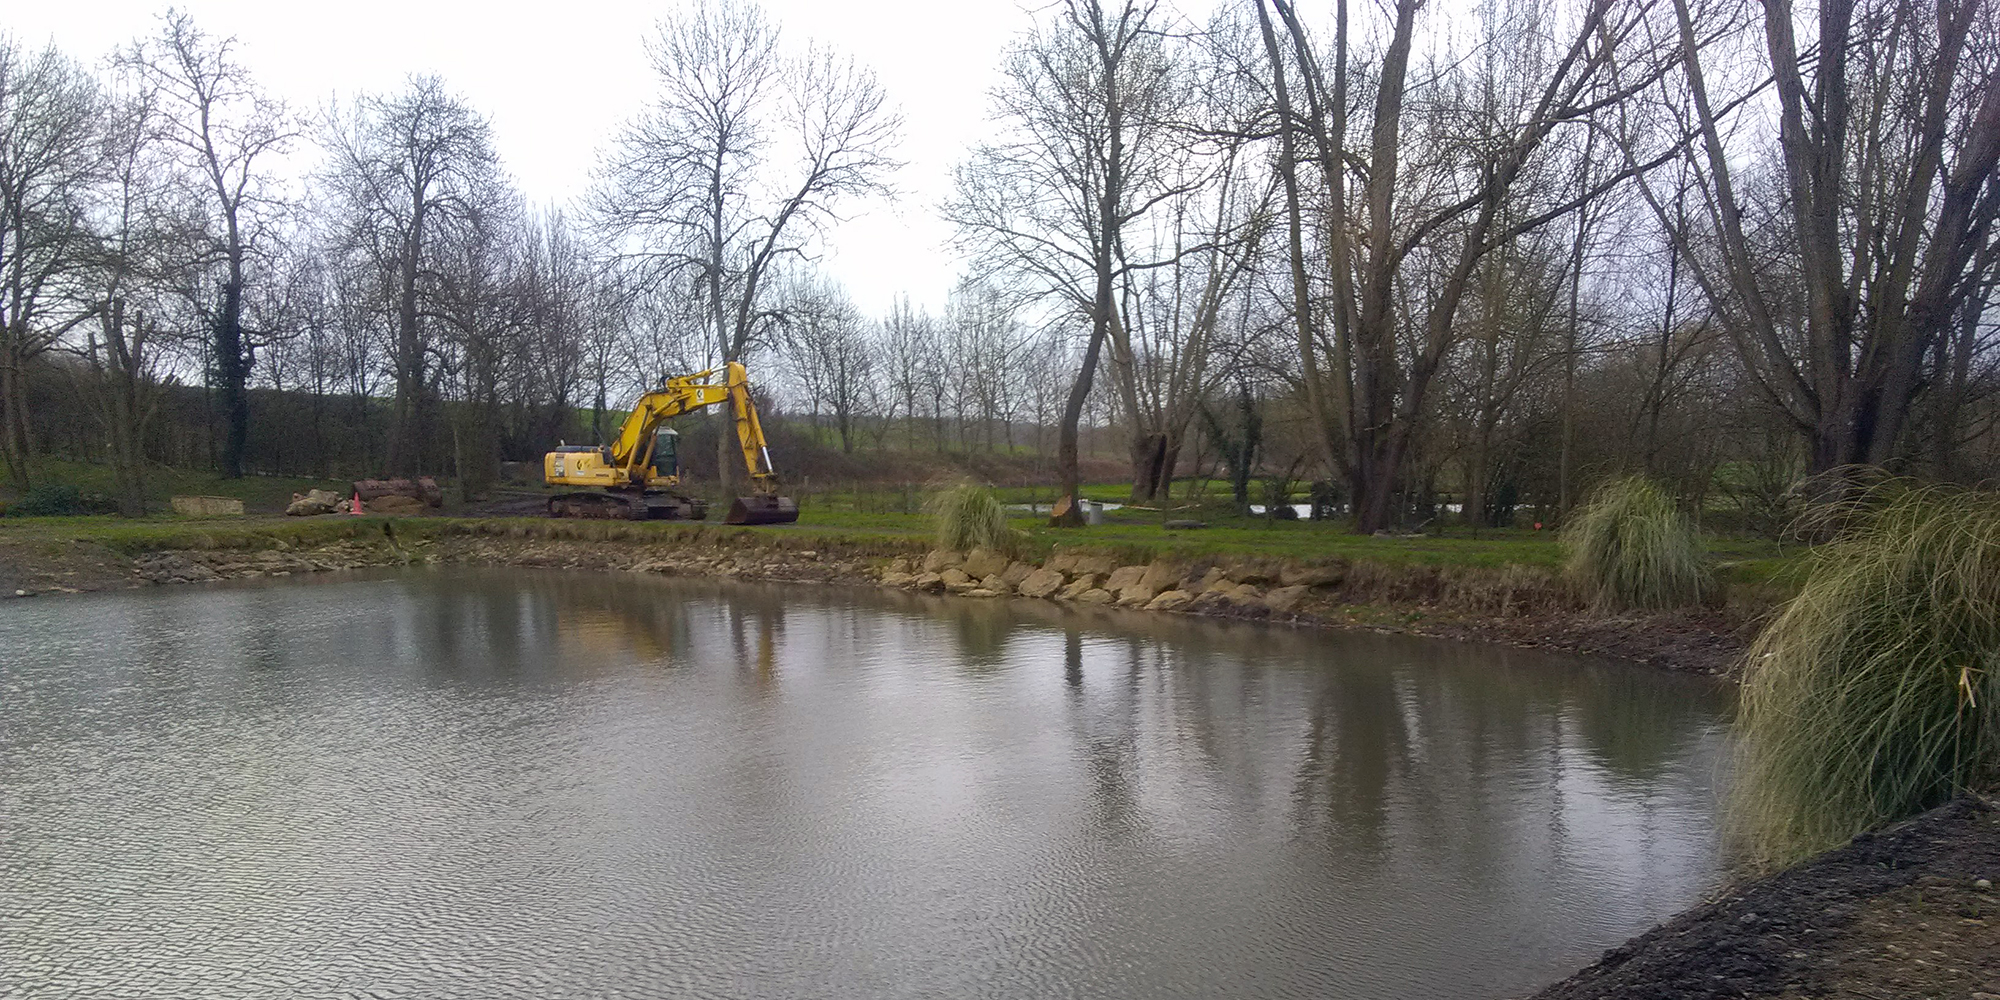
column 1438, row 179
column 828, row 348
column 737, row 164
column 413, row 171
column 229, row 133
column 1882, row 213
column 148, row 241
column 49, row 158
column 1093, row 144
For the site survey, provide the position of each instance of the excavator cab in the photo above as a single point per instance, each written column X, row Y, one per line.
column 666, row 453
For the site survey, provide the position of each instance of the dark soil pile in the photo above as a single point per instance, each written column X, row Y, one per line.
column 1907, row 912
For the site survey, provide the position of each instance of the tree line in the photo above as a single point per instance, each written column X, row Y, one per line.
column 1436, row 257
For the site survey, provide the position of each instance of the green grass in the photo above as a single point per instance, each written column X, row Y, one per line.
column 1630, row 549
column 260, row 494
column 1875, row 694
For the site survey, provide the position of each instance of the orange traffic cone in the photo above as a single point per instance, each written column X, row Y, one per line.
column 357, row 504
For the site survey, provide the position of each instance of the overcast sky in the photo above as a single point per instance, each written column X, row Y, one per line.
column 556, row 79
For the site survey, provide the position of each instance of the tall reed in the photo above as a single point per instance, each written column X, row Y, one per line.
column 1875, row 694
column 1631, row 550
column 968, row 516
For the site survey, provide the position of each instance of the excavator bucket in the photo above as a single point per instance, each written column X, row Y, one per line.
column 762, row 509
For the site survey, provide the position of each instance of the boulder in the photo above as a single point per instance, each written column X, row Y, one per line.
column 982, row 563
column 207, row 506
column 980, row 592
column 939, row 560
column 1312, row 576
column 1040, row 583
column 955, row 579
column 1137, row 595
column 1172, row 600
column 1214, row 578
column 1248, row 572
column 893, row 579
column 396, row 504
column 1242, row 594
column 900, row 564
column 1100, row 565
column 1017, row 572
column 1124, row 576
column 1076, row 587
column 1061, row 562
column 928, row 581
column 1284, row 599
column 1095, row 595
column 1160, row 575
column 314, row 502
column 997, row 584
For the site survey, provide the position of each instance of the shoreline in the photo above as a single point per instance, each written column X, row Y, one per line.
column 1520, row 606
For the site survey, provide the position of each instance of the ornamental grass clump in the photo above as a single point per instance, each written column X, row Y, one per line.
column 969, row 517
column 1875, row 694
column 1630, row 549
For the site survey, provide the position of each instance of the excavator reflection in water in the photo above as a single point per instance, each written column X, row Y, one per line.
column 637, row 476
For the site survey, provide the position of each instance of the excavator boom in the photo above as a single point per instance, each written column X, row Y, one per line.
column 638, row 473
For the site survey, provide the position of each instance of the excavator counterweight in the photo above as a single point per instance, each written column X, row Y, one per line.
column 637, row 477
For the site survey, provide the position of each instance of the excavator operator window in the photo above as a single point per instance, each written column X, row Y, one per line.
column 666, row 452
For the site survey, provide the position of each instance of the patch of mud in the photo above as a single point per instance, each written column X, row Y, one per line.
column 1895, row 914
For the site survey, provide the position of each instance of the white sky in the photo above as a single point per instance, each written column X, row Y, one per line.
column 556, row 80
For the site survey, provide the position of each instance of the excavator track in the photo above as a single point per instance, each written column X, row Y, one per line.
column 628, row 507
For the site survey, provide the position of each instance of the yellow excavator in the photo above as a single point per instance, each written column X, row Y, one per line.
column 637, row 476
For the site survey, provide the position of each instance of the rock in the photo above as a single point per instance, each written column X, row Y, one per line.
column 809, row 554
column 1160, row 575
column 1040, row 583
column 1982, row 884
column 982, row 563
column 939, row 560
column 1213, row 579
column 1311, row 576
column 394, row 503
column 955, row 579
column 1182, row 524
column 1252, row 573
column 997, row 584
column 980, row 592
column 1017, row 572
column 1172, row 600
column 1076, row 587
column 1137, row 595
column 1243, row 593
column 314, row 502
column 1284, row 599
column 206, row 506
column 1099, row 565
column 895, row 579
column 1095, row 595
column 928, row 581
column 1061, row 562
column 901, row 564
column 1124, row 576
column 21, row 593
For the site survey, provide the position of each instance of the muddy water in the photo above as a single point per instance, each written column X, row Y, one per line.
column 508, row 784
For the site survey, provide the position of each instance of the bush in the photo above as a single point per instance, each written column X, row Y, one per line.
column 1630, row 549
column 970, row 517
column 1875, row 694
column 49, row 500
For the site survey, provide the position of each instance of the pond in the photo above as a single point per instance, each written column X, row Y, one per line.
column 484, row 783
